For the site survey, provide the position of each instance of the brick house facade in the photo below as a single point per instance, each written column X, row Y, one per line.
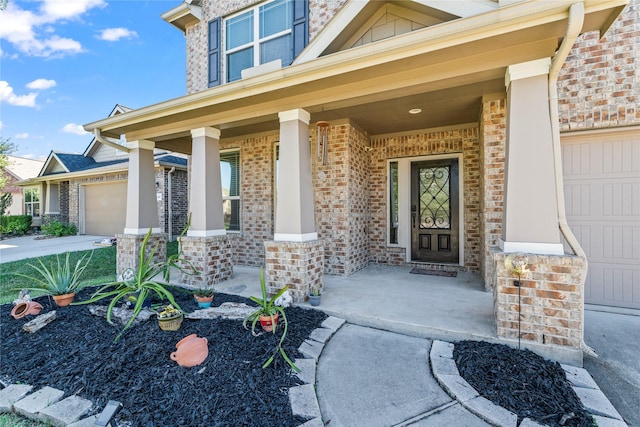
column 364, row 79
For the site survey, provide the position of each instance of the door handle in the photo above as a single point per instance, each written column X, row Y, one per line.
column 413, row 220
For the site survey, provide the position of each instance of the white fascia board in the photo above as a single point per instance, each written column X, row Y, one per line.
column 463, row 9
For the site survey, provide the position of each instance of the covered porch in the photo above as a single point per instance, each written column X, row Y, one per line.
column 391, row 298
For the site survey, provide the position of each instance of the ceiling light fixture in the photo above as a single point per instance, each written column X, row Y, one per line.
column 415, row 111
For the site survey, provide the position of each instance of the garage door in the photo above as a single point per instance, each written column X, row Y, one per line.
column 602, row 194
column 105, row 208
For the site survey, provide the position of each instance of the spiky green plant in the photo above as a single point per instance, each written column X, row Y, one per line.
column 58, row 278
column 267, row 307
column 142, row 284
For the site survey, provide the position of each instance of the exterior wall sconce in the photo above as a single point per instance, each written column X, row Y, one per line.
column 323, row 141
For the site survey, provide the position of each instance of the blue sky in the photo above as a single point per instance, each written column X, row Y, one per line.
column 64, row 63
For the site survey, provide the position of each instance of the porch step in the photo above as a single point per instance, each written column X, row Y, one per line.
column 436, row 266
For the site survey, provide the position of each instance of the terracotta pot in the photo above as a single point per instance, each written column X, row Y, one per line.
column 191, row 351
column 203, row 302
column 265, row 321
column 64, row 300
column 23, row 308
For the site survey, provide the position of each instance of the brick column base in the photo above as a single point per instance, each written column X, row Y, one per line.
column 211, row 256
column 299, row 265
column 128, row 246
column 552, row 300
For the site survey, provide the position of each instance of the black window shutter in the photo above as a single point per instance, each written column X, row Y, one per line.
column 300, row 26
column 214, row 53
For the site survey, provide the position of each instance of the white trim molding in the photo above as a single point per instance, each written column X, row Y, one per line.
column 296, row 114
column 528, row 69
column 208, row 131
column 206, row 233
column 532, row 248
column 142, row 144
column 142, row 231
column 282, row 237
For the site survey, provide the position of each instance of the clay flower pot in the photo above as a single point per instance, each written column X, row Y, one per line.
column 64, row 300
column 265, row 322
column 190, row 351
column 203, row 302
column 23, row 308
column 171, row 323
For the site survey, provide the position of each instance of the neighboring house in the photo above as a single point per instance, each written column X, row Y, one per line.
column 90, row 189
column 25, row 200
column 400, row 132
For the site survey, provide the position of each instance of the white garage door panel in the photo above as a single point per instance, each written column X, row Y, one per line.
column 602, row 197
column 105, row 208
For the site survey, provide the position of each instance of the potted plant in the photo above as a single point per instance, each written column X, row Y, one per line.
column 60, row 280
column 315, row 296
column 204, row 297
column 170, row 318
column 149, row 279
column 267, row 313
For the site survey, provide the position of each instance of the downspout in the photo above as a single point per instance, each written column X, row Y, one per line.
column 574, row 26
column 101, row 139
column 170, row 208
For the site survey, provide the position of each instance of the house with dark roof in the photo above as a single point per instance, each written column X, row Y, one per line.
column 476, row 136
column 25, row 201
column 90, row 189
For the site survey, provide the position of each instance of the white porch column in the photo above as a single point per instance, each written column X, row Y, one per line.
column 295, row 219
column 142, row 206
column 205, row 197
column 530, row 222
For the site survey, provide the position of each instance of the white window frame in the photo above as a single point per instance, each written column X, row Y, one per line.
column 256, row 41
column 32, row 203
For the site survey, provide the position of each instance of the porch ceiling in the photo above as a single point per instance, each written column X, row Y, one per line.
column 443, row 70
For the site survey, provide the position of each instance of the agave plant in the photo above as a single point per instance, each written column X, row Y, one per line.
column 141, row 283
column 268, row 308
column 59, row 278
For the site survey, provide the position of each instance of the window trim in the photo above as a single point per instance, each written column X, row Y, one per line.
column 25, row 203
column 238, row 197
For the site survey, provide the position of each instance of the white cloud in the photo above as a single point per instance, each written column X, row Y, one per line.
column 23, row 135
column 115, row 34
column 33, row 32
column 74, row 129
column 7, row 95
column 41, row 84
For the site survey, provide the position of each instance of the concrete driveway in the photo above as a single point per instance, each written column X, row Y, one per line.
column 615, row 336
column 31, row 247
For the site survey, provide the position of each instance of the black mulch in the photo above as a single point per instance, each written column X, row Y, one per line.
column 522, row 382
column 76, row 353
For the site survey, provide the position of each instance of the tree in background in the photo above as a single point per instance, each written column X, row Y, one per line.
column 6, row 147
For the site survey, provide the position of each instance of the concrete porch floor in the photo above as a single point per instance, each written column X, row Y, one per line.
column 391, row 298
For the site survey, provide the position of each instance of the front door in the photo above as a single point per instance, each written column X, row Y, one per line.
column 434, row 211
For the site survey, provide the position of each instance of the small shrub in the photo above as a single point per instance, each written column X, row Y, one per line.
column 59, row 229
column 15, row 224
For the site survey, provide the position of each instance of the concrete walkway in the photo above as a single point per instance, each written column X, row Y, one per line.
column 30, row 247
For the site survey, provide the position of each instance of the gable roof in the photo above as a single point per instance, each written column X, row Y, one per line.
column 23, row 168
column 356, row 17
column 95, row 144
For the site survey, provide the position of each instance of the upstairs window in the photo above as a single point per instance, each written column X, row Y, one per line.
column 273, row 30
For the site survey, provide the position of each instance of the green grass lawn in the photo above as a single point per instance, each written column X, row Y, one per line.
column 101, row 269
column 10, row 420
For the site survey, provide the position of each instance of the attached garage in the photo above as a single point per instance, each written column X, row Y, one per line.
column 105, row 208
column 602, row 194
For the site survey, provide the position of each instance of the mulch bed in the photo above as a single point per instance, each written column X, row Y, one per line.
column 522, row 382
column 76, row 353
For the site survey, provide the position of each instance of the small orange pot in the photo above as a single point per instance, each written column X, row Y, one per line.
column 265, row 322
column 64, row 300
column 203, row 302
column 23, row 308
column 190, row 351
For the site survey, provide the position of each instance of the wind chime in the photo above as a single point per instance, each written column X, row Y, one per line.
column 323, row 141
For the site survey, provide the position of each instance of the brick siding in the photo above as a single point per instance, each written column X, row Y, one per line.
column 128, row 250
column 551, row 308
column 298, row 265
column 210, row 256
column 493, row 127
column 599, row 84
